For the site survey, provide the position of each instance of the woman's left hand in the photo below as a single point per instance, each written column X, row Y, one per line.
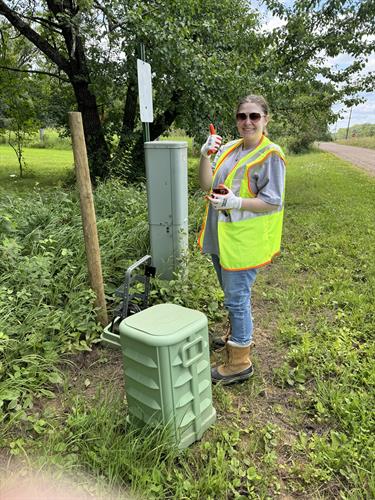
column 225, row 201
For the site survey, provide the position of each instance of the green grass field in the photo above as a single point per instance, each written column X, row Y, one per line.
column 47, row 167
column 51, row 139
column 303, row 426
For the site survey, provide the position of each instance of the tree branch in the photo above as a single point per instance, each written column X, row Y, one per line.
column 34, row 38
column 70, row 31
column 113, row 24
column 56, row 28
column 7, row 68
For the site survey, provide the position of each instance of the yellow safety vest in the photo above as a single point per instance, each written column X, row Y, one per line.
column 245, row 241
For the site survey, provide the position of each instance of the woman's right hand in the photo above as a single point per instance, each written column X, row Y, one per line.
column 211, row 146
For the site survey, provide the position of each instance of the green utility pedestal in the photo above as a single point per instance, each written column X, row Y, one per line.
column 167, row 370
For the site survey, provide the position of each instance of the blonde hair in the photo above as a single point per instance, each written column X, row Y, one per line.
column 255, row 99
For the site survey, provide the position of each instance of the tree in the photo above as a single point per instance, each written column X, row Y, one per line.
column 18, row 109
column 60, row 40
column 299, row 79
column 195, row 50
column 203, row 56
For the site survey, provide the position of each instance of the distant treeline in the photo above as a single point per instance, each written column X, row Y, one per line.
column 363, row 130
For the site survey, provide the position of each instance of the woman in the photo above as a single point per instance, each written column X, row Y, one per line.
column 242, row 228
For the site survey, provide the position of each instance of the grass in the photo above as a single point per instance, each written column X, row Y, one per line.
column 302, row 427
column 51, row 140
column 324, row 290
column 46, row 167
column 361, row 142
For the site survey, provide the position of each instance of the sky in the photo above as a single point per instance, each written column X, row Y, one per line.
column 362, row 113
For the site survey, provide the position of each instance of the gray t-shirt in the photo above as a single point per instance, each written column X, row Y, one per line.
column 267, row 182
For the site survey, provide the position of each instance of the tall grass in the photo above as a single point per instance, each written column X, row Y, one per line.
column 318, row 299
column 46, row 306
column 324, row 290
column 361, row 142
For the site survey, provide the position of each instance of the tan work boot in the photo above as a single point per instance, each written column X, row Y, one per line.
column 218, row 344
column 236, row 368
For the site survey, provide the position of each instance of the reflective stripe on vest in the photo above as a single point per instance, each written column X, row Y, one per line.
column 246, row 241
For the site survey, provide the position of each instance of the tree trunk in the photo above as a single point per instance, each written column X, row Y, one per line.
column 97, row 147
column 76, row 68
column 129, row 116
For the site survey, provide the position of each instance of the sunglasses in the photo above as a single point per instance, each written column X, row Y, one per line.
column 254, row 117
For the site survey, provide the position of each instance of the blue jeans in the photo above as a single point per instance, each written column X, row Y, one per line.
column 237, row 300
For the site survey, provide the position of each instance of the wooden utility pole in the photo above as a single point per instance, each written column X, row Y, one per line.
column 347, row 128
column 88, row 214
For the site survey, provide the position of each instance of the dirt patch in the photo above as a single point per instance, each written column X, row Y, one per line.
column 266, row 402
column 89, row 370
column 85, row 374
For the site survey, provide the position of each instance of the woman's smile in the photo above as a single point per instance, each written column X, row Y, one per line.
column 251, row 123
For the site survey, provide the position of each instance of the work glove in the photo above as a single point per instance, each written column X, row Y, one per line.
column 211, row 146
column 225, row 201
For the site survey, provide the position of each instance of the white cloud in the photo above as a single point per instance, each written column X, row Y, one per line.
column 269, row 22
column 370, row 66
column 342, row 61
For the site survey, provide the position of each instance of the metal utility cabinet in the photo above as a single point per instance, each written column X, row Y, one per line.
column 167, row 194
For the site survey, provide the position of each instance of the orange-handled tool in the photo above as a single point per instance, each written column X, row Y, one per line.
column 212, row 132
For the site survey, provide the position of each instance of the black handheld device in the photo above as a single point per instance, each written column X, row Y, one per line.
column 221, row 190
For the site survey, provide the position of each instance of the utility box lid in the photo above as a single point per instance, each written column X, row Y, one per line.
column 163, row 324
column 165, row 145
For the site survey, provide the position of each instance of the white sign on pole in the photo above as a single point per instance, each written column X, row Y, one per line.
column 145, row 91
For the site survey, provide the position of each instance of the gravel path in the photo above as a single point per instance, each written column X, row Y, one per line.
column 361, row 157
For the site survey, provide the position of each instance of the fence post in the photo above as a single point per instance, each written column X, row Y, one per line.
column 90, row 233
